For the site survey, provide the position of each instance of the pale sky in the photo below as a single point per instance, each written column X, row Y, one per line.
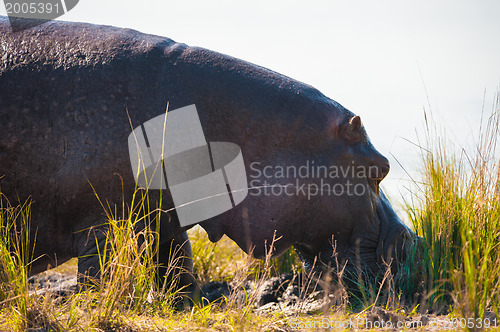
column 373, row 57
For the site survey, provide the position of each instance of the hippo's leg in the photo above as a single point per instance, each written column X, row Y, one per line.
column 174, row 258
column 176, row 265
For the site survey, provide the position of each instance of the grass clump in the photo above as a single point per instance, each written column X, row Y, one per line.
column 129, row 282
column 457, row 214
column 15, row 258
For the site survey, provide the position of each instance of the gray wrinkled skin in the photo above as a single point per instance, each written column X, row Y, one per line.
column 67, row 90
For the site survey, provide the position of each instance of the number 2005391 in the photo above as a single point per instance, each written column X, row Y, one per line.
column 33, row 8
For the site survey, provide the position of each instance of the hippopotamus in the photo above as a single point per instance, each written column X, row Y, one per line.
column 71, row 94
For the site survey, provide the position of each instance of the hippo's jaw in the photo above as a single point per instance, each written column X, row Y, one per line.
column 374, row 185
column 394, row 234
column 370, row 250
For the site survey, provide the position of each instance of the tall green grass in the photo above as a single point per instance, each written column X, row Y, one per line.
column 15, row 257
column 457, row 214
column 128, row 263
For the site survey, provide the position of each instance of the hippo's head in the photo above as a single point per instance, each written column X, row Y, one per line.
column 320, row 193
column 363, row 229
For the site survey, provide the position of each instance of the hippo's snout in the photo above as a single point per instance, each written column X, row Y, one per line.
column 379, row 168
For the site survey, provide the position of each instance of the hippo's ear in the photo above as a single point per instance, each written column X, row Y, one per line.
column 355, row 123
column 353, row 130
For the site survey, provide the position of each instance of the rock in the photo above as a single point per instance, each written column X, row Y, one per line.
column 272, row 289
column 215, row 291
column 57, row 283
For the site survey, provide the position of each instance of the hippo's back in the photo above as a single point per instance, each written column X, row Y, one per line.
column 61, row 45
column 65, row 89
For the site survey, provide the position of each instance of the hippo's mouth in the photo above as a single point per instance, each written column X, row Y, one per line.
column 371, row 250
column 375, row 184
